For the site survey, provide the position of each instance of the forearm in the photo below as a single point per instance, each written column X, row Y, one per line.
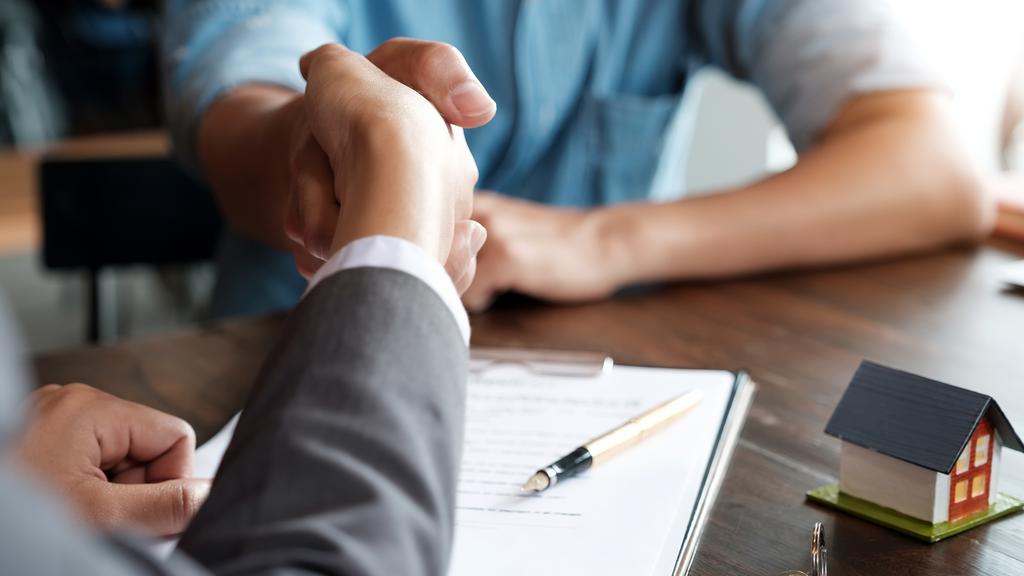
column 242, row 146
column 888, row 177
column 346, row 456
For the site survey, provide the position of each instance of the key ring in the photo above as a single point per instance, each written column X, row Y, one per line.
column 819, row 554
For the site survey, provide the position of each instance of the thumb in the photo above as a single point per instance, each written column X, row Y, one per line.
column 468, row 238
column 441, row 74
column 159, row 509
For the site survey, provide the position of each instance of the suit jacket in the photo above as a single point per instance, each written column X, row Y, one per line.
column 345, row 459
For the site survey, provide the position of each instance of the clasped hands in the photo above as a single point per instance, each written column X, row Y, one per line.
column 554, row 254
column 372, row 156
column 391, row 122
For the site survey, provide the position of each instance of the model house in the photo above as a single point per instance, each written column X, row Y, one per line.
column 920, row 447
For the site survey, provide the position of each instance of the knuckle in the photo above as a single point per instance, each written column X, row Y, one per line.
column 329, row 49
column 78, row 387
column 185, row 430
column 435, row 56
column 79, row 391
column 366, row 119
column 392, row 43
column 48, row 389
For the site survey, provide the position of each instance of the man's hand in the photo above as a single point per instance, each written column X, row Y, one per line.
column 320, row 170
column 399, row 168
column 550, row 253
column 888, row 176
column 121, row 463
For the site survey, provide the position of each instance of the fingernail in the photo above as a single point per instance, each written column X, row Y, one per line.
column 477, row 238
column 471, row 99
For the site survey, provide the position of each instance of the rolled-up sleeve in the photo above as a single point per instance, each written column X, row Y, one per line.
column 809, row 57
column 211, row 46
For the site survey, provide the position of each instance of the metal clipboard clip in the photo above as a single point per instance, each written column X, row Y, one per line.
column 542, row 362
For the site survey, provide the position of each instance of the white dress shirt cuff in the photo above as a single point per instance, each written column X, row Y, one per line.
column 404, row 256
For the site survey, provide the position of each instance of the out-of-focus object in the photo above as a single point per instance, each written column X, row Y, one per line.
column 29, row 112
column 1008, row 186
column 819, row 554
column 102, row 56
column 109, row 202
column 1014, row 273
column 1008, row 190
column 95, row 192
column 1010, row 218
column 19, row 211
column 979, row 65
column 918, row 456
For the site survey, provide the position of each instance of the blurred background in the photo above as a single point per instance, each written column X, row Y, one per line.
column 83, row 155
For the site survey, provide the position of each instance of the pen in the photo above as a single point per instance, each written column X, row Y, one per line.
column 613, row 441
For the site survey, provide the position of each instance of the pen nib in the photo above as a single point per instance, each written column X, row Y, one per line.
column 537, row 483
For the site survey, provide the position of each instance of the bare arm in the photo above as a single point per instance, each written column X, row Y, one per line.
column 262, row 146
column 887, row 177
column 243, row 144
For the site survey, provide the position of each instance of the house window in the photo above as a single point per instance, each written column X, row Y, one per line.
column 961, row 491
column 964, row 462
column 981, row 450
column 977, row 486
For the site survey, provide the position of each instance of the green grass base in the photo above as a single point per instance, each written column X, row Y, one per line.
column 926, row 531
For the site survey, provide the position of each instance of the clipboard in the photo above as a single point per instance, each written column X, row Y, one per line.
column 728, row 437
column 584, row 370
column 689, row 526
column 546, row 362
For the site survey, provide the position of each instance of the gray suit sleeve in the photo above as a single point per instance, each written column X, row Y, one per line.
column 345, row 460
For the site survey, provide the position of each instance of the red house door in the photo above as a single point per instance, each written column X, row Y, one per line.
column 971, row 475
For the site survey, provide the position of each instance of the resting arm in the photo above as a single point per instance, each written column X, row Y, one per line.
column 888, row 176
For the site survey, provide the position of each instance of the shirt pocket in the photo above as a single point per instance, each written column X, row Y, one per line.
column 626, row 137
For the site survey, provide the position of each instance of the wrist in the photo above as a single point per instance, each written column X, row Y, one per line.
column 614, row 231
column 241, row 145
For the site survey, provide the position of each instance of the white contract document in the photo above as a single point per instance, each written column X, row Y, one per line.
column 639, row 513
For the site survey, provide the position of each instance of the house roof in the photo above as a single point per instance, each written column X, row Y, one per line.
column 920, row 421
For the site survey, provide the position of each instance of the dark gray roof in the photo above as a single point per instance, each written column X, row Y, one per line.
column 912, row 418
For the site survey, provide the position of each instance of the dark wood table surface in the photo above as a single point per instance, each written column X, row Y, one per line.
column 801, row 335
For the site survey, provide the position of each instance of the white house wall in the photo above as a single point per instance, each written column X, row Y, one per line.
column 940, row 510
column 893, row 483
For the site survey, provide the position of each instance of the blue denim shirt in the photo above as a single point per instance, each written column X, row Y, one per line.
column 585, row 88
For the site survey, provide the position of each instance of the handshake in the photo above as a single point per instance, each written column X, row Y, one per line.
column 376, row 147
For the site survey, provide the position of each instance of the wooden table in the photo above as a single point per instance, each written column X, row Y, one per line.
column 800, row 335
